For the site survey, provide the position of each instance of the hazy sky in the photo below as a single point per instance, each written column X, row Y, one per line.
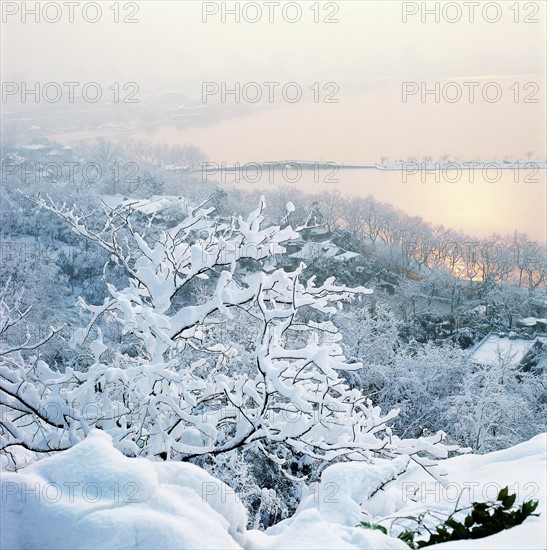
column 370, row 43
column 369, row 53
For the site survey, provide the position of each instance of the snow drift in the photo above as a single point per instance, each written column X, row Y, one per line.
column 92, row 496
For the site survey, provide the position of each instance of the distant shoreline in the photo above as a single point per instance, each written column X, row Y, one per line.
column 389, row 166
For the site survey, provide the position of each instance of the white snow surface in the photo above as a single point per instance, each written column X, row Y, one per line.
column 92, row 496
column 116, row 502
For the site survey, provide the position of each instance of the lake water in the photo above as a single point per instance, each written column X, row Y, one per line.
column 470, row 201
column 368, row 127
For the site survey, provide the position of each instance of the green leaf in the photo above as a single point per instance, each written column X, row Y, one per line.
column 508, row 501
column 503, row 493
column 451, row 522
column 485, row 518
column 374, row 526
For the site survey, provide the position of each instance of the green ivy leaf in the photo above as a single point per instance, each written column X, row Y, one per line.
column 503, row 493
column 508, row 501
column 373, row 526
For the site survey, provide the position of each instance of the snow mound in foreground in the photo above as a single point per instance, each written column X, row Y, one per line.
column 349, row 487
column 92, row 496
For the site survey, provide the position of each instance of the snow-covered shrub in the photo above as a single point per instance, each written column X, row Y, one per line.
column 437, row 387
column 496, row 407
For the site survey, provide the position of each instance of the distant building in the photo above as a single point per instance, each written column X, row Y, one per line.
column 533, row 322
column 312, row 245
column 316, row 234
column 513, row 350
column 312, row 250
column 315, row 250
column 153, row 205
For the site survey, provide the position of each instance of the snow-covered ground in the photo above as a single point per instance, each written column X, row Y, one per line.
column 91, row 496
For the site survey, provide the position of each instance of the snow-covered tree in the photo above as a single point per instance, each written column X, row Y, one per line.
column 181, row 393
